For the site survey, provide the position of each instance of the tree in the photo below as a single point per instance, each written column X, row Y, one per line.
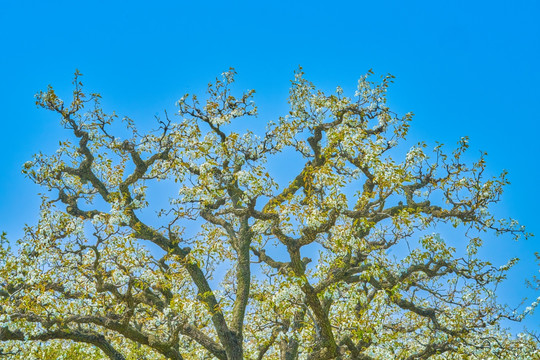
column 342, row 259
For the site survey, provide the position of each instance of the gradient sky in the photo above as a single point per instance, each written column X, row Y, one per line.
column 464, row 68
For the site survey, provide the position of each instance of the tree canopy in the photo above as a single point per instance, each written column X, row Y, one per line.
column 322, row 237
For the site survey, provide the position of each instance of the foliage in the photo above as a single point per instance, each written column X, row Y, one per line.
column 343, row 259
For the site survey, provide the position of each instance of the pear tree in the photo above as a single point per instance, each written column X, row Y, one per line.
column 323, row 236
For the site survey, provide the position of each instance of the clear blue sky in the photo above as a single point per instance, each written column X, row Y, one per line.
column 463, row 67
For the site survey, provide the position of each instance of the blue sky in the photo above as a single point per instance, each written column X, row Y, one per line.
column 464, row 68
